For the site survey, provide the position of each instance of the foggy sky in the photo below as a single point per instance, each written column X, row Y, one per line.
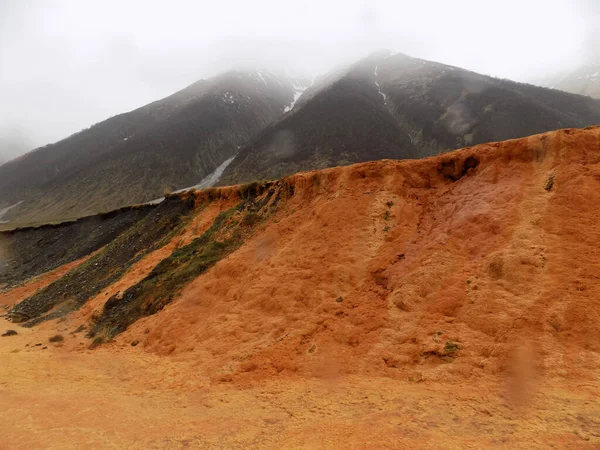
column 67, row 64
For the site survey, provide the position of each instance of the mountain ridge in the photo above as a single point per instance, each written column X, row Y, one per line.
column 430, row 108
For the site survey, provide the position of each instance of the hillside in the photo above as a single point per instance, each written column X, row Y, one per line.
column 395, row 106
column 137, row 156
column 408, row 304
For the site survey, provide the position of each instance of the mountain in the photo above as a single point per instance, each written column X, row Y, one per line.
column 245, row 126
column 137, row 156
column 396, row 106
column 584, row 80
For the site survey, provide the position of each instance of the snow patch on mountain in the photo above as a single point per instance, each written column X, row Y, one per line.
column 5, row 211
column 298, row 91
column 260, row 75
column 228, row 98
column 584, row 80
column 212, row 178
column 375, row 72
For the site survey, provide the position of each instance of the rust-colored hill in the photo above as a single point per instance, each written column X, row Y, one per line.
column 438, row 303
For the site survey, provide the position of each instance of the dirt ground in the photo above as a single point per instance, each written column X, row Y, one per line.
column 67, row 397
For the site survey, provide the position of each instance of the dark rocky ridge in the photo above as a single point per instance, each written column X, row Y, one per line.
column 32, row 251
column 148, row 232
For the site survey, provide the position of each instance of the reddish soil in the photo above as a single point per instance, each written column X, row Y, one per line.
column 415, row 304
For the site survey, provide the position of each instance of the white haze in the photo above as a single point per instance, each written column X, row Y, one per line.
column 68, row 64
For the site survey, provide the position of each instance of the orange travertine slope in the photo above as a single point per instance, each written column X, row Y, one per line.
column 450, row 302
column 388, row 268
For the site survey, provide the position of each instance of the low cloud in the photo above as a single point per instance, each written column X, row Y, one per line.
column 69, row 64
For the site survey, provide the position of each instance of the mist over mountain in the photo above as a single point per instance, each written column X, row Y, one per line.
column 73, row 64
column 584, row 80
column 398, row 107
column 12, row 144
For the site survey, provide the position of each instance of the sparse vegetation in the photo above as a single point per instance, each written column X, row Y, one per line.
column 451, row 348
column 250, row 189
column 496, row 268
column 172, row 274
column 67, row 294
column 555, row 323
column 179, row 243
column 250, row 218
column 549, row 183
column 212, row 193
column 56, row 338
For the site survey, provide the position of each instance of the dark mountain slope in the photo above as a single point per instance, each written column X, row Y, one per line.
column 28, row 252
column 333, row 128
column 402, row 107
column 452, row 107
column 134, row 157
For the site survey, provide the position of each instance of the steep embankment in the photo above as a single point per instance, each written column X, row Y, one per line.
column 441, row 269
column 437, row 269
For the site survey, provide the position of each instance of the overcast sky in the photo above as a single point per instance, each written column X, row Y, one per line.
column 66, row 64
